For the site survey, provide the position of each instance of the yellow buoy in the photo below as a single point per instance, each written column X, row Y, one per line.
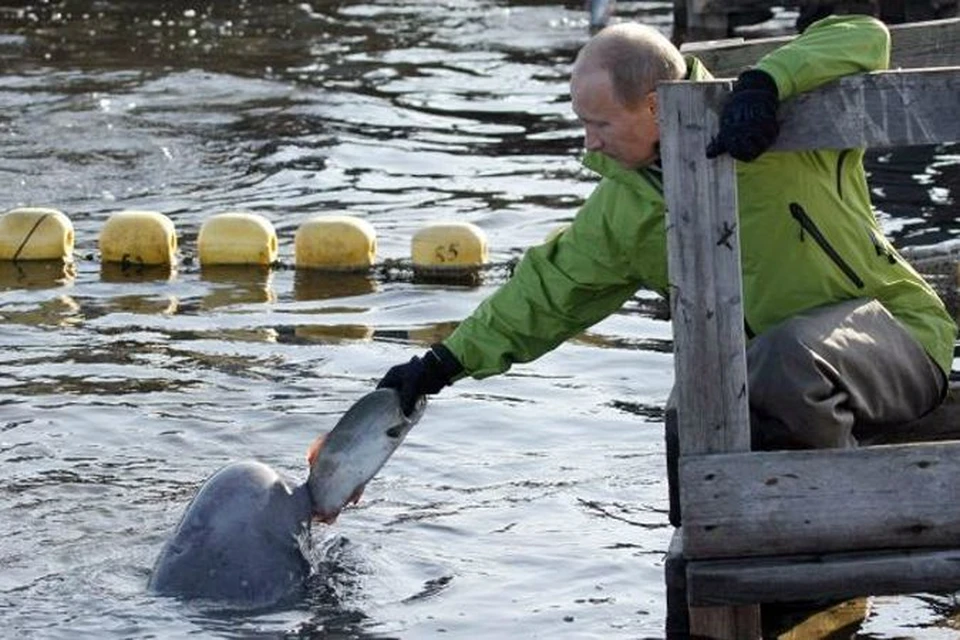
column 33, row 233
column 138, row 238
column 237, row 238
column 449, row 247
column 335, row 243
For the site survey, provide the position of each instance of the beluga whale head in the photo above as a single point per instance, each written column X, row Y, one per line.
column 241, row 540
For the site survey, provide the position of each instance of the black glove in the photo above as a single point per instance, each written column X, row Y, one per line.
column 748, row 122
column 427, row 374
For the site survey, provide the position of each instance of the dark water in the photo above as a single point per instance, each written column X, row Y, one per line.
column 530, row 505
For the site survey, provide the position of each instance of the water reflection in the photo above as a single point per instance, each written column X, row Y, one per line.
column 60, row 311
column 333, row 333
column 36, row 274
column 117, row 272
column 312, row 284
column 140, row 303
column 237, row 284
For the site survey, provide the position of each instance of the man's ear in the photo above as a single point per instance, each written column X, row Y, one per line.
column 650, row 102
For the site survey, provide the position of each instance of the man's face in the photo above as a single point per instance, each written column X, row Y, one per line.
column 629, row 135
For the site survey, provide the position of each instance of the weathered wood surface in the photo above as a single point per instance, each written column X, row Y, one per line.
column 705, row 294
column 935, row 43
column 947, row 252
column 789, row 502
column 706, row 303
column 883, row 109
column 827, row 577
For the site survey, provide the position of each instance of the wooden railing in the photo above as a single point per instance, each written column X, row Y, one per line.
column 919, row 44
column 781, row 526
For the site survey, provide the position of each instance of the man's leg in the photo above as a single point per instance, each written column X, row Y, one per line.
column 821, row 378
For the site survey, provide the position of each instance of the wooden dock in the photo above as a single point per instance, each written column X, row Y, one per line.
column 762, row 527
column 697, row 20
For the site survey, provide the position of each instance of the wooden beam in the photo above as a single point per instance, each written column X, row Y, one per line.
column 935, row 43
column 829, row 577
column 883, row 109
column 790, row 502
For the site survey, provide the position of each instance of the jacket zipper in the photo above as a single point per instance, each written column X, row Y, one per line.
column 806, row 224
column 881, row 251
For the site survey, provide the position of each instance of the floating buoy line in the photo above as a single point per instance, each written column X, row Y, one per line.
column 135, row 243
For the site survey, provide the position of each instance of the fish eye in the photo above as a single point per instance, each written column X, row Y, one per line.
column 394, row 432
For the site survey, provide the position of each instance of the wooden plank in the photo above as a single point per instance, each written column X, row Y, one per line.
column 935, row 43
column 704, row 263
column 790, row 502
column 730, row 6
column 827, row 577
column 883, row 109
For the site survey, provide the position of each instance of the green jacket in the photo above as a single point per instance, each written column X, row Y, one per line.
column 808, row 234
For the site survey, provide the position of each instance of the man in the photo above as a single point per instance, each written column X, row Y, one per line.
column 845, row 338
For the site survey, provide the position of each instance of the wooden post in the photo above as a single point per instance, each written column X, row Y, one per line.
column 705, row 300
column 703, row 242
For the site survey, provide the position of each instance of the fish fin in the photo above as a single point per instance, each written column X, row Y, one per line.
column 314, row 449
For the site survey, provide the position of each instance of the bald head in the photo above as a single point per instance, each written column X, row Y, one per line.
column 636, row 57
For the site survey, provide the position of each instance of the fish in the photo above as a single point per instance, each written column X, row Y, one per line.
column 600, row 12
column 240, row 542
column 344, row 460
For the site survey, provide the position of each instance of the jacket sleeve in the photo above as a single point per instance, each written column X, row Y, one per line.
column 615, row 245
column 831, row 48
